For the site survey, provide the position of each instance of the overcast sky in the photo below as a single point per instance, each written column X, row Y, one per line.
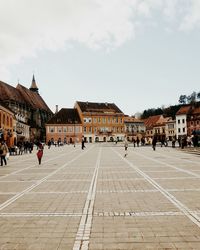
column 138, row 54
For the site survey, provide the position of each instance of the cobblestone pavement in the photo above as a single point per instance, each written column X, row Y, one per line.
column 98, row 199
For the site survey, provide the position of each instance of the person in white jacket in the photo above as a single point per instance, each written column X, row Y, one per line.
column 125, row 146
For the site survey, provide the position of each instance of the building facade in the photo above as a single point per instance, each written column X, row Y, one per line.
column 134, row 128
column 27, row 105
column 170, row 129
column 102, row 122
column 65, row 126
column 181, row 121
column 7, row 125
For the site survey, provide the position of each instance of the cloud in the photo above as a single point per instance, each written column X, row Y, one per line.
column 191, row 19
column 30, row 26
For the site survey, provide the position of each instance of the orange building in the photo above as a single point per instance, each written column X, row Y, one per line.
column 7, row 122
column 65, row 126
column 101, row 121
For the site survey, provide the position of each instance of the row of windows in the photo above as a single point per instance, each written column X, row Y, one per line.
column 103, row 129
column 183, row 130
column 6, row 120
column 195, row 123
column 158, row 131
column 69, row 129
column 103, row 120
column 183, row 121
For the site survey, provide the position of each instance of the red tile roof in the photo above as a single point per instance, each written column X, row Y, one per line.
column 196, row 110
column 152, row 120
column 33, row 98
column 22, row 95
column 184, row 110
column 65, row 116
column 98, row 107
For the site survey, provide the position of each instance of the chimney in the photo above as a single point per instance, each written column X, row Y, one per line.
column 56, row 109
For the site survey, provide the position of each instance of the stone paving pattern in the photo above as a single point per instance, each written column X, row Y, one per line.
column 98, row 199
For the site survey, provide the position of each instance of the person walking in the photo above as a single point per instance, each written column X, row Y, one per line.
column 154, row 141
column 83, row 143
column 3, row 152
column 49, row 144
column 125, row 146
column 40, row 152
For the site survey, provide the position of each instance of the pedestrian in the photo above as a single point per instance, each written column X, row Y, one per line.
column 154, row 141
column 125, row 146
column 3, row 152
column 174, row 142
column 40, row 152
column 83, row 143
column 49, row 144
column 138, row 141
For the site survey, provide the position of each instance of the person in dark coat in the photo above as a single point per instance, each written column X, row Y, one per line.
column 154, row 141
column 83, row 143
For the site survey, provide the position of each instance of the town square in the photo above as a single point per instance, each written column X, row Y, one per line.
column 99, row 125
column 97, row 199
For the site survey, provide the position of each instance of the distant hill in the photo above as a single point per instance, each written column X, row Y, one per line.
column 169, row 111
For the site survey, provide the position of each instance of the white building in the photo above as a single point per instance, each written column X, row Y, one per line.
column 181, row 121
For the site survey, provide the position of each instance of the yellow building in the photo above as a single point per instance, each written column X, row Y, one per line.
column 101, row 122
column 7, row 123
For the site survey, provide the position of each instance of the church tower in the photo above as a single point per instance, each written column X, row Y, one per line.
column 34, row 87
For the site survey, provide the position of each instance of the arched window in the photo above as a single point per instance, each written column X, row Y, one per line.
column 11, row 122
column 7, row 120
column 4, row 119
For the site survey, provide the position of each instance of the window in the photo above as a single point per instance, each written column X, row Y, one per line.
column 59, row 130
column 87, row 120
column 95, row 120
column 85, row 129
column 183, row 130
column 178, row 121
column 104, row 120
column 64, row 129
column 70, row 129
column 183, row 120
column 7, row 121
column 4, row 119
column 77, row 129
column 99, row 119
column 179, row 130
column 108, row 119
column 52, row 129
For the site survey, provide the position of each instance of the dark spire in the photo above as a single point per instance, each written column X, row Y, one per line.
column 34, row 87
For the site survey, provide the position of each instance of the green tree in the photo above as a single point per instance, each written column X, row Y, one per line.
column 192, row 98
column 198, row 96
column 182, row 99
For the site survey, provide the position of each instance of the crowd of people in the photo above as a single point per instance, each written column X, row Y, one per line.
column 24, row 147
